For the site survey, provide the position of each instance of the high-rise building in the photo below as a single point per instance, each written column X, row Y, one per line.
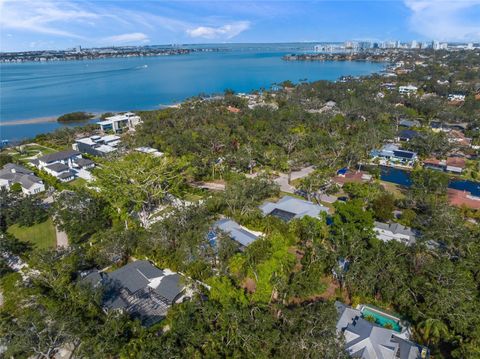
column 414, row 45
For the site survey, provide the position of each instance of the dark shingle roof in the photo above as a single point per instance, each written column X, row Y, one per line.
column 12, row 167
column 84, row 162
column 58, row 156
column 57, row 167
column 170, row 287
column 66, row 175
column 135, row 275
column 409, row 134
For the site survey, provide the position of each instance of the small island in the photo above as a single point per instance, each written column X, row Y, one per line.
column 75, row 117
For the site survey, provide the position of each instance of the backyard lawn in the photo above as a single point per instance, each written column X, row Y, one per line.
column 42, row 235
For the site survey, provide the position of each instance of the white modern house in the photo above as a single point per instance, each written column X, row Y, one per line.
column 12, row 173
column 391, row 153
column 288, row 208
column 119, row 123
column 394, row 231
column 99, row 146
column 65, row 165
column 408, row 90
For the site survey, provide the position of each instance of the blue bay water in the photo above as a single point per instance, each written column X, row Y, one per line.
column 33, row 90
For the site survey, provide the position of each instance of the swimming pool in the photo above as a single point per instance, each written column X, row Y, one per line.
column 382, row 319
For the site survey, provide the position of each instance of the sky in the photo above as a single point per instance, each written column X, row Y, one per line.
column 53, row 24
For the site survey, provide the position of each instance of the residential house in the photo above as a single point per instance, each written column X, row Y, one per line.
column 367, row 340
column 451, row 164
column 458, row 137
column 65, row 165
column 407, row 135
column 119, row 123
column 456, row 98
column 455, row 164
column 288, row 208
column 407, row 90
column 394, row 231
column 409, row 123
column 391, row 153
column 149, row 150
column 12, row 173
column 139, row 289
column 238, row 233
column 344, row 175
column 99, row 146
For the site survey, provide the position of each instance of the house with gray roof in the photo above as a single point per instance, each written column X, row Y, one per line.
column 12, row 173
column 288, row 208
column 65, row 165
column 97, row 145
column 409, row 123
column 140, row 289
column 238, row 233
column 367, row 340
column 394, row 231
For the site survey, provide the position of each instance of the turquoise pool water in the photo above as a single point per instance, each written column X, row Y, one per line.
column 381, row 319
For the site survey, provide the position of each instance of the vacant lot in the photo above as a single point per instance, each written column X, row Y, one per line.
column 41, row 235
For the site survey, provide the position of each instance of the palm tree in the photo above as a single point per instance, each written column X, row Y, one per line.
column 433, row 330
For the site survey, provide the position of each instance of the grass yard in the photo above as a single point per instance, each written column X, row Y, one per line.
column 41, row 235
column 78, row 183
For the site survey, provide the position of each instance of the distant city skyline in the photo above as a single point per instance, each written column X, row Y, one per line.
column 51, row 24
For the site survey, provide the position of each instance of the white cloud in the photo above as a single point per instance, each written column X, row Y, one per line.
column 445, row 20
column 227, row 31
column 42, row 16
column 134, row 37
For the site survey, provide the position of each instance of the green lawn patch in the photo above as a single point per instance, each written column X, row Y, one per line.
column 41, row 235
column 78, row 183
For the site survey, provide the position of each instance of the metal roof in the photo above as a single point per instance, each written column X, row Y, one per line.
column 288, row 205
column 235, row 231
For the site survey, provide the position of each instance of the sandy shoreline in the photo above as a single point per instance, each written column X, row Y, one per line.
column 29, row 121
column 49, row 119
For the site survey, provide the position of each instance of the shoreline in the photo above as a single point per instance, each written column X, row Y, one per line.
column 49, row 119
column 29, row 121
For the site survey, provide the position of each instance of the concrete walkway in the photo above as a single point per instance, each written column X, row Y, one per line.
column 62, row 239
column 282, row 179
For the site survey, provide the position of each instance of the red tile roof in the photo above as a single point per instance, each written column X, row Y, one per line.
column 462, row 198
column 350, row 177
column 456, row 162
column 233, row 109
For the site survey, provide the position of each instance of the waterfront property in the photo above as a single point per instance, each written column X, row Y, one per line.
column 288, row 208
column 344, row 175
column 238, row 233
column 119, row 123
column 394, row 231
column 392, row 154
column 139, row 289
column 370, row 333
column 65, row 165
column 11, row 174
column 97, row 145
column 451, row 164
